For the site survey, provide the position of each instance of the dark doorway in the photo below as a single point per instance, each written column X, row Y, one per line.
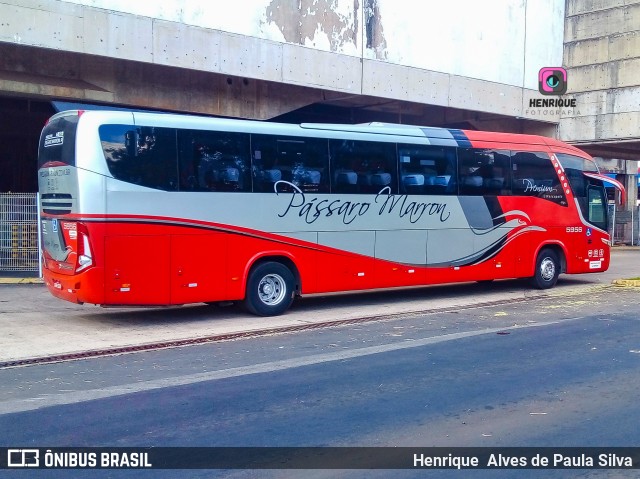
column 21, row 121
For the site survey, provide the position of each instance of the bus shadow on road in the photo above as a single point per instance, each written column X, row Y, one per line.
column 367, row 303
column 166, row 315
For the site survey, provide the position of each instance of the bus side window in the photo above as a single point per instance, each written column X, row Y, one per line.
column 344, row 175
column 484, row 172
column 363, row 166
column 214, row 161
column 427, row 170
column 290, row 164
column 144, row 155
column 534, row 175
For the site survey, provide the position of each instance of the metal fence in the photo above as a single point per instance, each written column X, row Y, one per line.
column 624, row 225
column 19, row 232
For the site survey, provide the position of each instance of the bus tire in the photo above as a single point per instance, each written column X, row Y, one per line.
column 269, row 289
column 547, row 269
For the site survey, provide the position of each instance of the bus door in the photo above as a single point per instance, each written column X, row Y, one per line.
column 596, row 212
column 587, row 238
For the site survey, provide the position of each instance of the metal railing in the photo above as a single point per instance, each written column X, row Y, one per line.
column 19, row 250
column 624, row 225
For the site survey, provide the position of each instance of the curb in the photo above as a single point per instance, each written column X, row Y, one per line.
column 21, row 281
column 627, row 282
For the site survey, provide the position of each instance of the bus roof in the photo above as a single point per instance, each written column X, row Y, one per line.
column 461, row 138
column 447, row 133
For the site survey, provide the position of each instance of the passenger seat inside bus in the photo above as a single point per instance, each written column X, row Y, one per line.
column 346, row 181
column 271, row 176
column 493, row 183
column 268, row 178
column 229, row 175
column 442, row 180
column 312, row 177
column 380, row 179
column 414, row 183
column 473, row 181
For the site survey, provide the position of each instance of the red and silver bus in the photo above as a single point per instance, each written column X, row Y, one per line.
column 165, row 209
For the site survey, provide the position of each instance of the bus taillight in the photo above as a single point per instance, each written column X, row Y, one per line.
column 85, row 255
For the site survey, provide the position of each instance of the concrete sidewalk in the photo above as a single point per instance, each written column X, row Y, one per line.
column 34, row 324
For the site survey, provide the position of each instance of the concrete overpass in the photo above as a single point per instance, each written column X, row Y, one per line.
column 186, row 57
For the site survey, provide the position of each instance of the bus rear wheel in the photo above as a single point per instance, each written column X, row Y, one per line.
column 547, row 269
column 269, row 289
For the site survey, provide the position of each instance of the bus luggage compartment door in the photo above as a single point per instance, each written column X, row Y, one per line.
column 198, row 268
column 137, row 270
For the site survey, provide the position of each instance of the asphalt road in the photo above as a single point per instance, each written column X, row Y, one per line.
column 560, row 371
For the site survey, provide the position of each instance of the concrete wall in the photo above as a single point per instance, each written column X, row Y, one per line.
column 506, row 41
column 280, row 55
column 602, row 55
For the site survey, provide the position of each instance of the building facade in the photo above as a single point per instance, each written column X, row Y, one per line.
column 602, row 57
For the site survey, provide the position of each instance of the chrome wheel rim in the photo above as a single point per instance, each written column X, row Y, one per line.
column 272, row 289
column 547, row 269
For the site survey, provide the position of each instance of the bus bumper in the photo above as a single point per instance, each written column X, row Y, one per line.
column 84, row 287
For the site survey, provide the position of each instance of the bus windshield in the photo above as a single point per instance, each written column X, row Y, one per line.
column 588, row 191
column 57, row 142
column 57, row 182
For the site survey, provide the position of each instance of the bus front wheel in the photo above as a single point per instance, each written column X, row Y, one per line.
column 547, row 269
column 269, row 289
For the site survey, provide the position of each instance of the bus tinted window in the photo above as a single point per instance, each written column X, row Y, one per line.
column 58, row 141
column 214, row 161
column 576, row 163
column 298, row 162
column 363, row 166
column 145, row 156
column 573, row 168
column 484, row 172
column 427, row 170
column 534, row 175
